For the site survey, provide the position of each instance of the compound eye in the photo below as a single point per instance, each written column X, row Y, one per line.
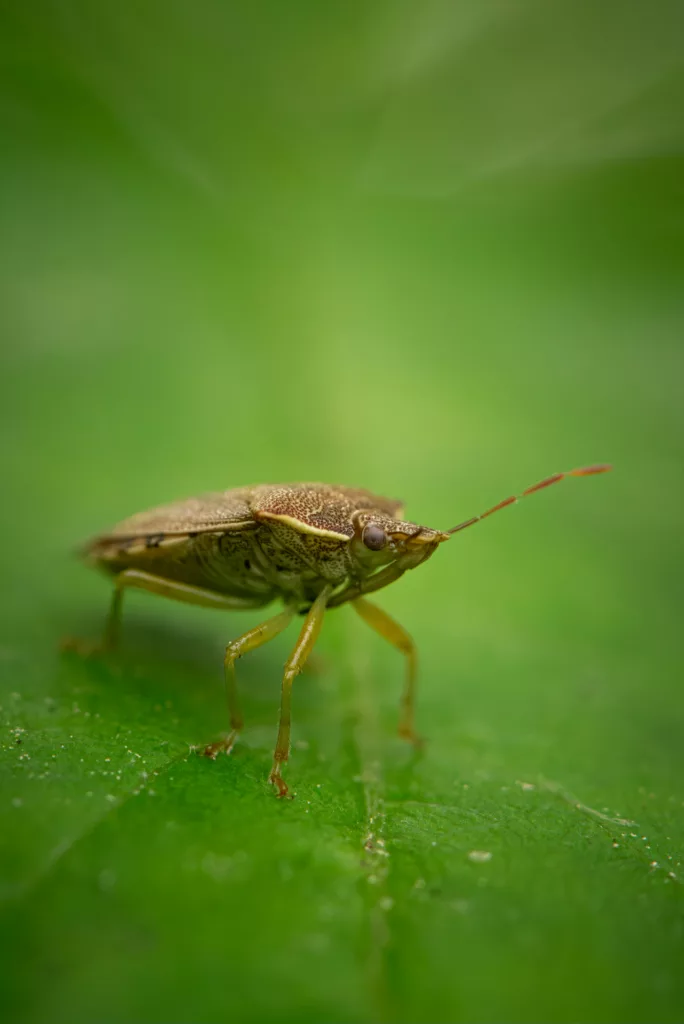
column 374, row 537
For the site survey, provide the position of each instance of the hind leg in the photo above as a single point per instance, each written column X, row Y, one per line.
column 189, row 595
column 140, row 580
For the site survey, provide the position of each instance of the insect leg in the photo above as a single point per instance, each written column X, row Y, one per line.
column 386, row 626
column 380, row 579
column 295, row 663
column 112, row 630
column 249, row 641
column 155, row 585
column 165, row 588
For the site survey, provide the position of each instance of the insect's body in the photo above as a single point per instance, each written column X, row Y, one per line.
column 313, row 546
column 263, row 543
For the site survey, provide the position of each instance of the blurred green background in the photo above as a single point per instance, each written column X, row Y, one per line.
column 434, row 249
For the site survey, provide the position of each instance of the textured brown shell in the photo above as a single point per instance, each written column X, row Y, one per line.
column 309, row 508
column 320, row 508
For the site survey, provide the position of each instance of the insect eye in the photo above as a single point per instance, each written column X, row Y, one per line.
column 374, row 537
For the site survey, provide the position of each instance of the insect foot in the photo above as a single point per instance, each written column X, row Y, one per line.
column 226, row 744
column 276, row 779
column 407, row 732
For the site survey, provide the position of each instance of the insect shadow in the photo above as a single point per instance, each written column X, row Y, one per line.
column 174, row 663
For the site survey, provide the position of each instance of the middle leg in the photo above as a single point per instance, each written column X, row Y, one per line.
column 294, row 665
column 249, row 641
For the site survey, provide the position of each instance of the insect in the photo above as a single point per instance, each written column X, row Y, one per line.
column 313, row 546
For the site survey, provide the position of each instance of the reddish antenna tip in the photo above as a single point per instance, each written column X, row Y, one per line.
column 601, row 467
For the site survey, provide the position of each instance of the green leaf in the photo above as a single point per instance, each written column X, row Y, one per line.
column 433, row 251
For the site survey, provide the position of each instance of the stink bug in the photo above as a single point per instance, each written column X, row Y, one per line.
column 313, row 546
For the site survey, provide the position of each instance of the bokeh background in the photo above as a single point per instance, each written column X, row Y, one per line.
column 434, row 249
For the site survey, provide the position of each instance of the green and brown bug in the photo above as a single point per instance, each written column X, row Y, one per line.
column 313, row 546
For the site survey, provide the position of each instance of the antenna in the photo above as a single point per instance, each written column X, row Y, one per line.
column 556, row 478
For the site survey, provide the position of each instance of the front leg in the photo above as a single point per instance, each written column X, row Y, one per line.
column 386, row 626
column 377, row 581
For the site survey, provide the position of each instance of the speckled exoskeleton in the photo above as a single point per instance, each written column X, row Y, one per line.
column 313, row 546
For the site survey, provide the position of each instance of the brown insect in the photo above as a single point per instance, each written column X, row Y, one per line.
column 313, row 546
